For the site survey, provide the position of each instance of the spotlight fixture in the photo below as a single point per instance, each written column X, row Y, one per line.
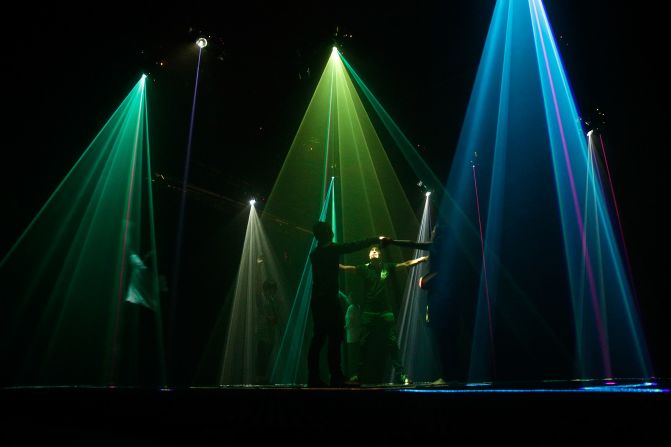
column 428, row 193
column 202, row 42
column 252, row 202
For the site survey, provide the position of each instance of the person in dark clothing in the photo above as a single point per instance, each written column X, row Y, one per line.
column 451, row 291
column 270, row 327
column 378, row 313
column 140, row 358
column 327, row 314
column 352, row 336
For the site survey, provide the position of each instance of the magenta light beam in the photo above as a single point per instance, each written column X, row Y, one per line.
column 617, row 209
column 484, row 269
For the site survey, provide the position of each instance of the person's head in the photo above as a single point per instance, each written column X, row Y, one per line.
column 269, row 287
column 322, row 232
column 374, row 253
column 148, row 257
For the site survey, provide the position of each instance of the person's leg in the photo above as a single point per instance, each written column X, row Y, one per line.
column 335, row 337
column 394, row 352
column 364, row 349
column 353, row 360
column 333, row 325
column 314, row 379
column 454, row 370
column 316, row 345
column 263, row 351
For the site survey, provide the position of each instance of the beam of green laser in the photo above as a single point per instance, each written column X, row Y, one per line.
column 418, row 165
column 72, row 292
column 423, row 171
column 154, row 253
column 114, row 122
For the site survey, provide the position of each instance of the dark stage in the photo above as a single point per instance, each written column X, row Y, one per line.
column 548, row 412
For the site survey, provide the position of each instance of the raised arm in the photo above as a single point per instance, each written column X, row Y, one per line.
column 412, row 262
column 347, row 267
column 345, row 297
column 349, row 247
column 412, row 244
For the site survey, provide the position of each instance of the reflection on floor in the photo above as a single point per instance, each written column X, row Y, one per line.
column 545, row 411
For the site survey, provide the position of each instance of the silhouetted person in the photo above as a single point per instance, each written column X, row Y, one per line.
column 327, row 314
column 140, row 355
column 352, row 337
column 270, row 328
column 378, row 312
column 140, row 282
column 451, row 296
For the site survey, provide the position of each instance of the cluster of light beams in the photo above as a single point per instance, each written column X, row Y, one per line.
column 563, row 264
column 249, row 332
column 336, row 142
column 66, row 316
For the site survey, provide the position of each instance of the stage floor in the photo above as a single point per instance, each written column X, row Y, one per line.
column 550, row 412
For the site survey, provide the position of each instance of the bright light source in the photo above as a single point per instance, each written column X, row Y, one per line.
column 202, row 43
column 144, row 76
column 334, row 51
column 252, row 202
column 428, row 193
column 589, row 134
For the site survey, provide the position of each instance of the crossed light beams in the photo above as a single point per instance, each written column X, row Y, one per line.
column 521, row 130
column 417, row 346
column 504, row 148
column 336, row 140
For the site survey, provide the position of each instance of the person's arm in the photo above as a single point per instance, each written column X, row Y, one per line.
column 349, row 247
column 412, row 244
column 346, row 298
column 347, row 267
column 412, row 262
